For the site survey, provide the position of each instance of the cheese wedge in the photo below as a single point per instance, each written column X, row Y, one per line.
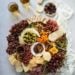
column 46, row 56
column 25, row 68
column 12, row 59
column 18, row 66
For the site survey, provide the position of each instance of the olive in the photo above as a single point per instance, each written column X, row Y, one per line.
column 50, row 8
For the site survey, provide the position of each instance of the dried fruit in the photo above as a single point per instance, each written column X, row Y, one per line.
column 43, row 38
column 53, row 50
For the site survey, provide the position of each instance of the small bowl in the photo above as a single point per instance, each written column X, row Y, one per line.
column 50, row 9
column 12, row 7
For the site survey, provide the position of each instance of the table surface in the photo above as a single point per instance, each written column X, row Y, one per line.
column 5, row 23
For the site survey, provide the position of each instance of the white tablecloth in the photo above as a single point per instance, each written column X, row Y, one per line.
column 5, row 23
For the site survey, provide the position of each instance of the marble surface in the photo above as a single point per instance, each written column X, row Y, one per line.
column 6, row 20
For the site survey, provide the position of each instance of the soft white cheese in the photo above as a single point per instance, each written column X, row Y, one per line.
column 57, row 34
column 46, row 56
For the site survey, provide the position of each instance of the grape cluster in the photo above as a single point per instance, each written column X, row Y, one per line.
column 56, row 62
column 12, row 38
column 19, row 27
column 24, row 53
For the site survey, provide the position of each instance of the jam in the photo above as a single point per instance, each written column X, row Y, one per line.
column 38, row 48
